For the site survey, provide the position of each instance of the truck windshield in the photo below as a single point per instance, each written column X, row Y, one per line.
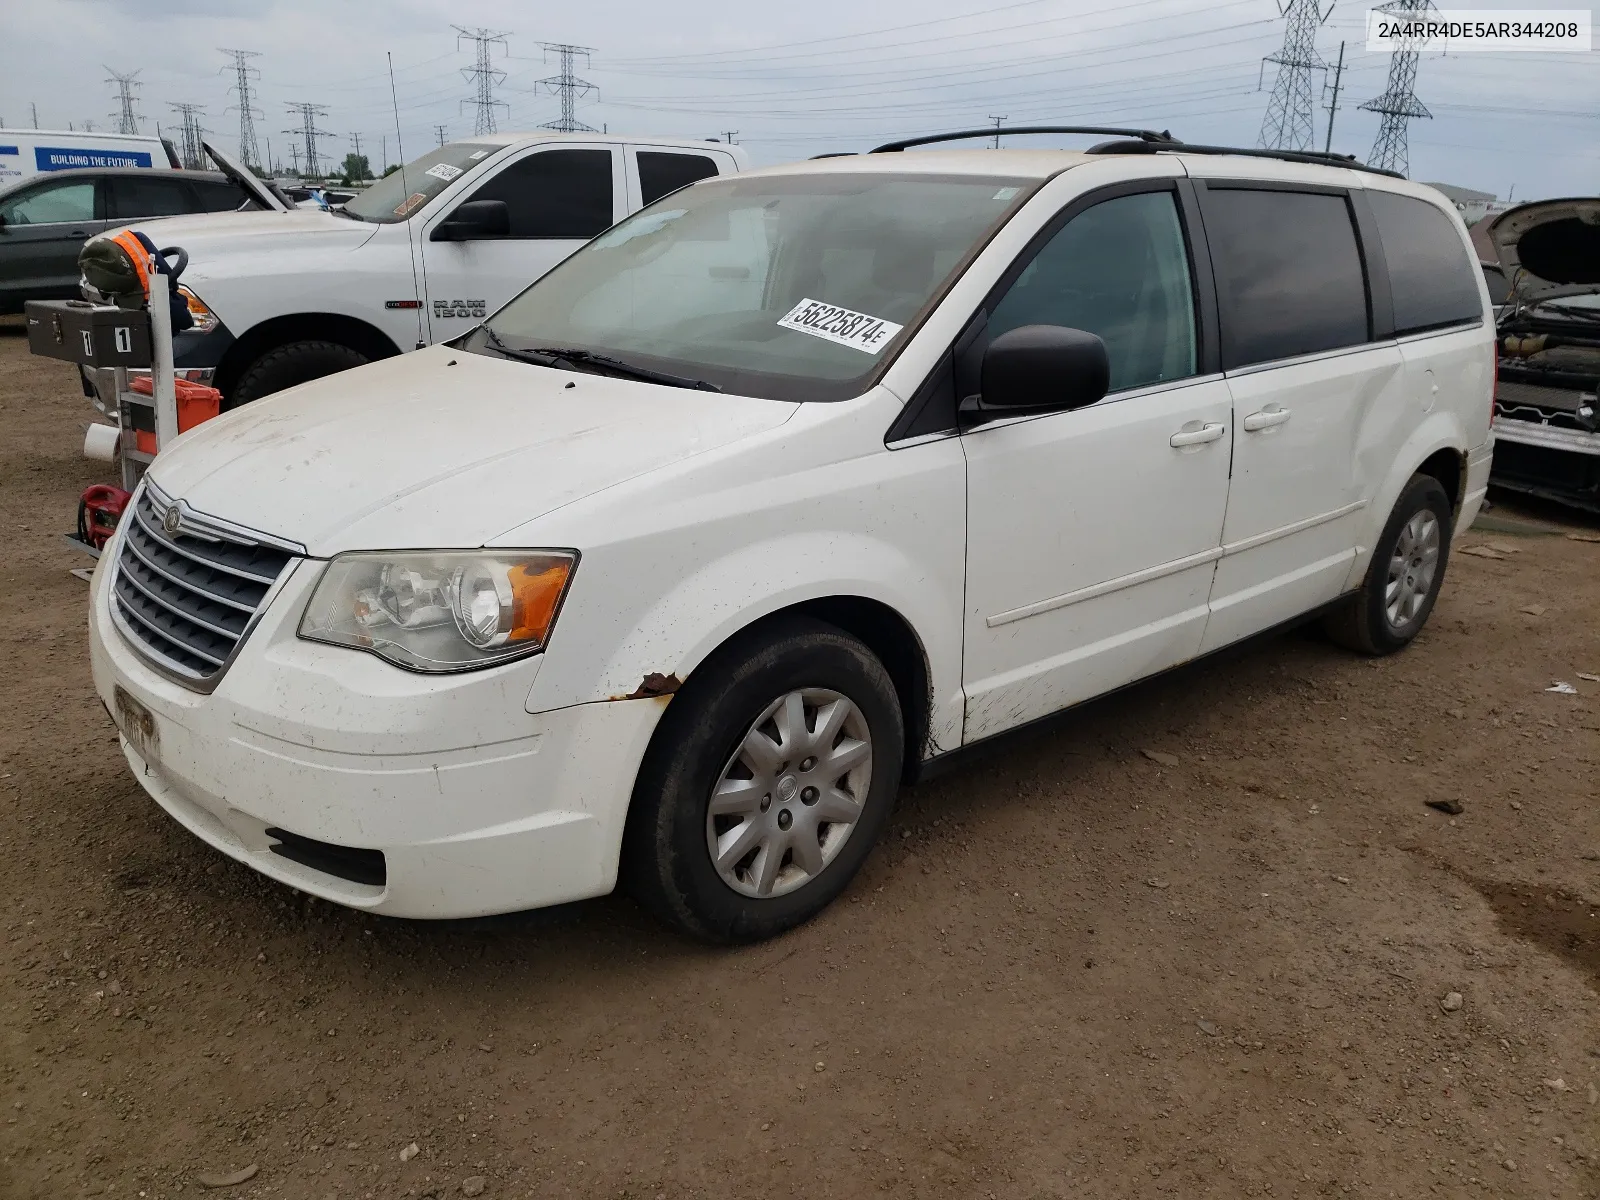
column 785, row 287
column 399, row 194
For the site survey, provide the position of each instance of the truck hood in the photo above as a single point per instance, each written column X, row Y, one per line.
column 440, row 449
column 213, row 239
column 1549, row 248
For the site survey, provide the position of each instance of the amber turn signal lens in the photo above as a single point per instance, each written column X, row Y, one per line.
column 536, row 591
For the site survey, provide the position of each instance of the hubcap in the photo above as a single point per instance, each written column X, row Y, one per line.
column 1412, row 568
column 791, row 793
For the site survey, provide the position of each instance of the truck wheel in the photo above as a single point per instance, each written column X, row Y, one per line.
column 1405, row 575
column 284, row 366
column 772, row 774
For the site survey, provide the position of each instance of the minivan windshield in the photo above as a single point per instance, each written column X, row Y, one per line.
column 788, row 287
column 400, row 193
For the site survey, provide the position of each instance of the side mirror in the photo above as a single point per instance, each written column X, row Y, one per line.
column 474, row 219
column 1043, row 368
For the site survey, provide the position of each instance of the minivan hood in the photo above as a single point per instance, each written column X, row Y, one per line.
column 1549, row 248
column 440, row 449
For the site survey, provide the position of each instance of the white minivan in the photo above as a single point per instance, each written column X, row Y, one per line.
column 789, row 488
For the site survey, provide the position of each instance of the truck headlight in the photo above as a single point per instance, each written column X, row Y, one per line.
column 204, row 319
column 446, row 610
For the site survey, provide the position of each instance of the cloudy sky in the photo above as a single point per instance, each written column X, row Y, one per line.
column 792, row 80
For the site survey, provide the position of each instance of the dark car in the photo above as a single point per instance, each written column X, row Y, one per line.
column 45, row 219
column 1546, row 289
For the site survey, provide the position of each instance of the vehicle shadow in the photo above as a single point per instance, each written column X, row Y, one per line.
column 612, row 939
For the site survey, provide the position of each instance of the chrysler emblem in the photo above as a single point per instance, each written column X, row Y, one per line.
column 172, row 520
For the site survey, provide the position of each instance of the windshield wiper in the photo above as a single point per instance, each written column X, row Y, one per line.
column 558, row 356
column 604, row 362
column 536, row 357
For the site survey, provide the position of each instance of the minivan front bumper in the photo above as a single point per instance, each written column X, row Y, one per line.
column 397, row 793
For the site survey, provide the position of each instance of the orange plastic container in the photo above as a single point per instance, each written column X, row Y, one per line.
column 196, row 403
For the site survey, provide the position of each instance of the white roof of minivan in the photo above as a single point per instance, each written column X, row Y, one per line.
column 1042, row 164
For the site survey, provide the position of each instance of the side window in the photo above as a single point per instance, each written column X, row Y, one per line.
column 218, row 197
column 1431, row 275
column 555, row 194
column 1119, row 270
column 1289, row 273
column 138, row 196
column 55, row 204
column 661, row 173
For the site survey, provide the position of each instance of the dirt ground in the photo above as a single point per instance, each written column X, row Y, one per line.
column 1195, row 943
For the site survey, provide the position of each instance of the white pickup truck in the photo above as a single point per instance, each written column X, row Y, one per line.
column 292, row 294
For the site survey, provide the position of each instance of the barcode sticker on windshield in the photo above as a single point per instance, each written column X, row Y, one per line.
column 443, row 171
column 859, row 331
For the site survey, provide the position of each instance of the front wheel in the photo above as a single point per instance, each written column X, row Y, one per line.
column 772, row 774
column 285, row 366
column 1405, row 575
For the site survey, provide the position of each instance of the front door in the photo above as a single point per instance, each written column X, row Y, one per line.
column 1312, row 395
column 41, row 231
column 1093, row 534
column 557, row 198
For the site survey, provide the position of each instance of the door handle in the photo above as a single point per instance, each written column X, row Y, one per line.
column 1266, row 418
column 1194, row 437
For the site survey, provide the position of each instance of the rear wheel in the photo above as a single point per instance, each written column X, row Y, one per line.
column 773, row 773
column 1405, row 575
column 297, row 362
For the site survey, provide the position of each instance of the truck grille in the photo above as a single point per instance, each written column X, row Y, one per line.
column 186, row 599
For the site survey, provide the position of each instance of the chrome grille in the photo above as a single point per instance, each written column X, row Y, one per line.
column 186, row 599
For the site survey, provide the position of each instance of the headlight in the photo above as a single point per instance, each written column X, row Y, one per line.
column 204, row 319
column 443, row 610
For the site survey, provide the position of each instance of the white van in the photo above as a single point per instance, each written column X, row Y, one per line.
column 27, row 152
column 790, row 487
column 293, row 294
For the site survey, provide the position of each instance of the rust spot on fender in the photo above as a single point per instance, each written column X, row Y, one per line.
column 653, row 684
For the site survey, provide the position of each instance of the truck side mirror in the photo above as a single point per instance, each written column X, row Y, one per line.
column 474, row 219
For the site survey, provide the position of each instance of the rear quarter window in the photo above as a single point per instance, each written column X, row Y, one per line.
column 1431, row 276
column 1289, row 273
column 661, row 173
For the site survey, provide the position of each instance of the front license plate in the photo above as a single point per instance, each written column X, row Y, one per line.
column 136, row 724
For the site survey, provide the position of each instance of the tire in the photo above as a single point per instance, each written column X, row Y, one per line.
column 284, row 366
column 726, row 729
column 1397, row 595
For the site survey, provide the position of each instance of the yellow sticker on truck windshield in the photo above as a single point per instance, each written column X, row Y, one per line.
column 859, row 331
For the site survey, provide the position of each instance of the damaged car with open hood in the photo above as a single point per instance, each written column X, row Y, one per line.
column 1546, row 426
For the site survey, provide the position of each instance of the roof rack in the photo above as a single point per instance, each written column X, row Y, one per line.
column 1317, row 158
column 1143, row 135
column 1141, row 141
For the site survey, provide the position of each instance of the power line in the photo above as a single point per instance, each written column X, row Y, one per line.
column 998, row 121
column 127, row 120
column 242, row 72
column 1398, row 102
column 440, row 130
column 309, row 132
column 728, row 135
column 568, row 86
column 1288, row 123
column 485, row 76
column 1333, row 104
column 192, row 153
